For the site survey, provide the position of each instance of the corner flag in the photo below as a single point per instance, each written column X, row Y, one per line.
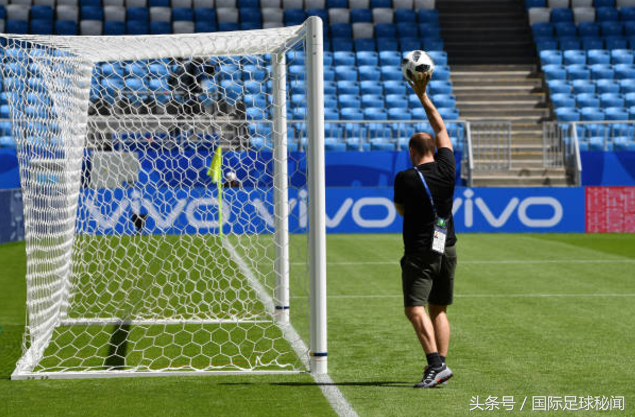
column 215, row 172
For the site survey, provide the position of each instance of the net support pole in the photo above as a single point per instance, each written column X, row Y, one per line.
column 281, row 192
column 317, row 199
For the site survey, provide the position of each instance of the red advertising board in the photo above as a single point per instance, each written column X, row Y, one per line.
column 610, row 209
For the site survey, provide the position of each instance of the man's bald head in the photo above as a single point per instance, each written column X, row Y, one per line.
column 423, row 144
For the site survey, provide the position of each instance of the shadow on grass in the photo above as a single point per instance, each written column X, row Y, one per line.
column 117, row 347
column 10, row 349
column 383, row 384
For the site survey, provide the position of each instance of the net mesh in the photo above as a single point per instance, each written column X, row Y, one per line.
column 137, row 260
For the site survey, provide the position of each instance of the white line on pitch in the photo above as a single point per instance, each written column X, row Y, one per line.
column 486, row 295
column 502, row 261
column 327, row 386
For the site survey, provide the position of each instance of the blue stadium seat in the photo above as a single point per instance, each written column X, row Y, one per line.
column 627, row 86
column 606, row 14
column 385, row 30
column 398, row 87
column 611, row 28
column 391, row 73
column 439, row 57
column 160, row 28
column 387, row 44
column 433, row 44
column 365, row 45
column 410, row 44
column 559, row 86
column 349, row 101
column 535, row 3
column 92, row 13
column 348, row 87
column 554, row 72
column 563, row 100
column 351, row 113
column 607, row 86
column 345, row 73
column 17, row 26
column 565, row 29
column 367, row 58
column 389, row 58
column 372, row 100
column 136, row 27
column 155, row 3
column 361, row 16
column 182, row 14
column 334, row 145
column 140, row 14
column 66, row 27
column 624, row 71
column 371, row 87
column 616, row 114
column 588, row 114
column 321, row 13
column 342, row 44
column 204, row 27
column 328, row 58
column 546, row 45
column 622, row 56
column 39, row 12
column 228, row 27
column 380, row 3
column 602, row 72
column 339, row 4
column 341, row 30
column 440, row 87
column 344, row 58
column 587, row 100
column 611, row 100
column 405, row 16
column 330, row 87
column 114, row 28
column 623, row 143
column 444, row 100
column 550, row 57
column 542, row 29
column 561, row 15
column 205, row 15
column 589, row 44
column 428, row 16
column 567, row 115
column 449, row 113
column 598, row 56
column 603, row 3
column 589, row 29
column 42, row 26
column 331, row 114
column 369, row 73
column 248, row 3
column 574, row 57
column 396, row 101
column 294, row 16
column 627, row 14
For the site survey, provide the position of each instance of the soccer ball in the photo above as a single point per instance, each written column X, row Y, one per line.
column 416, row 64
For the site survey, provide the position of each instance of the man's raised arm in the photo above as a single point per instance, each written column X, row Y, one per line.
column 441, row 134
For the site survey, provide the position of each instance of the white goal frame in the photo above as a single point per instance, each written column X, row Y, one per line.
column 316, row 360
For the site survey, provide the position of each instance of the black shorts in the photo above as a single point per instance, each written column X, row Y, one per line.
column 428, row 278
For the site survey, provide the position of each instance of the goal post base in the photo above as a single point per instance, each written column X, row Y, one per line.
column 138, row 374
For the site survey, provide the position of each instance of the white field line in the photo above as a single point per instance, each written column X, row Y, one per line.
column 484, row 295
column 495, row 262
column 329, row 389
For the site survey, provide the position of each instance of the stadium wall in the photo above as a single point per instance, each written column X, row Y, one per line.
column 349, row 210
column 357, row 169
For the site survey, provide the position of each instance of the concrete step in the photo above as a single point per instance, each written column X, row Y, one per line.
column 494, row 68
column 458, row 59
column 520, row 182
column 496, row 106
column 502, row 89
column 496, row 82
column 495, row 99
column 517, row 113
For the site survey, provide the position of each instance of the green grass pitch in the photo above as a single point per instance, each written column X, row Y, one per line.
column 534, row 315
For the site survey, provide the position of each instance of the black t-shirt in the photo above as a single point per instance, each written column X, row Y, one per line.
column 418, row 222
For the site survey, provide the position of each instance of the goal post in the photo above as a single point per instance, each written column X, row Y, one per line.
column 132, row 269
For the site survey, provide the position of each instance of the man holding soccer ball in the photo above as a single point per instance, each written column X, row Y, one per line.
column 424, row 196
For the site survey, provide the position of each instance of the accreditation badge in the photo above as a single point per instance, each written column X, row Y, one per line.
column 440, row 235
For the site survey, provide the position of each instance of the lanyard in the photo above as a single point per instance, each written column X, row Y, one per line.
column 425, row 185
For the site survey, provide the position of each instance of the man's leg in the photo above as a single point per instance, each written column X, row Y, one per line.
column 423, row 327
column 441, row 325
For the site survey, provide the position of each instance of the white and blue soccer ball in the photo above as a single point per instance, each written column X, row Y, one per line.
column 416, row 64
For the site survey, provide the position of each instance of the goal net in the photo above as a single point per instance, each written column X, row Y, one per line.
column 174, row 201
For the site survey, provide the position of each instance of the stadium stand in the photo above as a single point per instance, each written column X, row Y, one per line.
column 364, row 44
column 587, row 57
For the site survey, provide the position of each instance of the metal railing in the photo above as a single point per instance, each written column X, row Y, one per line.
column 491, row 145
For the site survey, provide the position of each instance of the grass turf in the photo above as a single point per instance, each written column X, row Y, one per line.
column 529, row 320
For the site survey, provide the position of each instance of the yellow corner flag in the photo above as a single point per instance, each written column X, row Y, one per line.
column 215, row 172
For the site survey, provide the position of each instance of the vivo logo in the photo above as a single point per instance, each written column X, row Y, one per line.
column 514, row 206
